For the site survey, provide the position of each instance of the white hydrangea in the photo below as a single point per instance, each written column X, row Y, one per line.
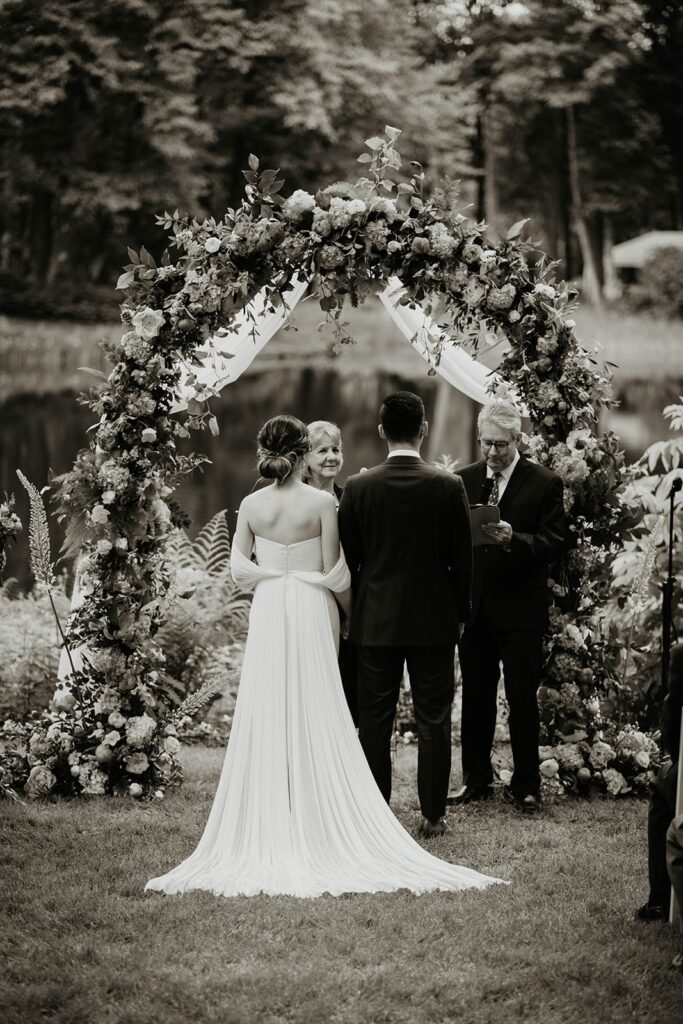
column 299, row 203
column 139, row 730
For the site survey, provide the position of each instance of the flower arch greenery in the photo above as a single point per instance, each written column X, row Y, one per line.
column 112, row 731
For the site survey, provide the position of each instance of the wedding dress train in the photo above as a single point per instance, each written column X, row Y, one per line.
column 297, row 811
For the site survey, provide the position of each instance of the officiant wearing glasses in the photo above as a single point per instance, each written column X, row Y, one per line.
column 510, row 603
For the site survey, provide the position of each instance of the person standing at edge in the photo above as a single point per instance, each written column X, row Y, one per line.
column 510, row 603
column 405, row 530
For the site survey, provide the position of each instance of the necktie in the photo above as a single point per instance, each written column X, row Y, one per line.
column 495, row 490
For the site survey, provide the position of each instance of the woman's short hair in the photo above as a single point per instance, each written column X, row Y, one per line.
column 503, row 413
column 320, row 430
column 282, row 441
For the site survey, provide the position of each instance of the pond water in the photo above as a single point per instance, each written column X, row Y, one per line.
column 42, row 432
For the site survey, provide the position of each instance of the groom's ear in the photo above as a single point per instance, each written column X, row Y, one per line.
column 424, row 430
column 380, row 431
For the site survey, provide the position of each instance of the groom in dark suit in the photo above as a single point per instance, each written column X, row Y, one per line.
column 510, row 603
column 405, row 530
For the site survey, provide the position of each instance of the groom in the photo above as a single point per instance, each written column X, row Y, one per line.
column 405, row 530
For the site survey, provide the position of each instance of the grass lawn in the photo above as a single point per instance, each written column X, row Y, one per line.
column 81, row 942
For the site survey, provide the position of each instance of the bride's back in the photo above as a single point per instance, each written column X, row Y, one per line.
column 285, row 514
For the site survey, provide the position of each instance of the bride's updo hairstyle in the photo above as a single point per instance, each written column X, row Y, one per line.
column 282, row 441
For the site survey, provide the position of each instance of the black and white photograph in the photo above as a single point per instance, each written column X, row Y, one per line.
column 341, row 511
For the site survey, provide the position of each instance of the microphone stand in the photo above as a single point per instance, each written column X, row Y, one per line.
column 667, row 616
column 668, row 591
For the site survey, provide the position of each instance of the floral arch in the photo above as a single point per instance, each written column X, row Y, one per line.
column 111, row 725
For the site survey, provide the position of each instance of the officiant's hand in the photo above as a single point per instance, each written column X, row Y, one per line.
column 500, row 533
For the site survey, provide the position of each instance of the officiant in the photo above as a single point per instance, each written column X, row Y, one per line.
column 510, row 604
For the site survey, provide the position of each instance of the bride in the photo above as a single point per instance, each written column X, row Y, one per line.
column 297, row 811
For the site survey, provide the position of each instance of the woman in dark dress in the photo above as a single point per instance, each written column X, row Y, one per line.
column 324, row 463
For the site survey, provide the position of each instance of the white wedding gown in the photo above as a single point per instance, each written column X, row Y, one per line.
column 297, row 811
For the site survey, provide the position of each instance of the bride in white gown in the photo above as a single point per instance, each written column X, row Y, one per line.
column 297, row 811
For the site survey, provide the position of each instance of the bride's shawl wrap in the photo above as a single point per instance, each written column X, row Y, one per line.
column 247, row 574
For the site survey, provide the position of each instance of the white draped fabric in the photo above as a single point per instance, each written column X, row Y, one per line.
column 228, row 357
column 456, row 366
column 297, row 811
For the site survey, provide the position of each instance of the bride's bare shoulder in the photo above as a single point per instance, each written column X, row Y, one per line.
column 322, row 499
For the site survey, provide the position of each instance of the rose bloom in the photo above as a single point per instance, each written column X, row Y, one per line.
column 135, row 789
column 137, row 763
column 615, row 781
column 103, row 547
column 550, row 768
column 171, row 745
column 116, row 720
column 99, row 515
column 149, row 435
column 212, row 244
column 147, row 323
column 601, row 754
column 40, row 782
column 107, row 498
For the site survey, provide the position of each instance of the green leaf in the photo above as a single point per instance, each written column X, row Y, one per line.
column 147, row 258
column 365, row 158
column 213, row 426
column 517, row 229
column 134, row 258
column 391, row 133
column 375, row 143
column 253, row 162
column 96, row 373
column 125, row 281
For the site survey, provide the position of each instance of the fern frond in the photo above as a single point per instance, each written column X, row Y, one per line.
column 192, row 704
column 641, row 580
column 38, row 535
column 212, row 546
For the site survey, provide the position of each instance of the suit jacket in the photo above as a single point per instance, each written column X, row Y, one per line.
column 406, row 534
column 511, row 587
column 673, row 704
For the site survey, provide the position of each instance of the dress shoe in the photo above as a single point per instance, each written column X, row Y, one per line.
column 469, row 795
column 428, row 829
column 650, row 912
column 528, row 804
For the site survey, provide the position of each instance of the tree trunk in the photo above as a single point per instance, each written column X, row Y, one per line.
column 40, row 234
column 591, row 273
column 479, row 160
column 612, row 285
column 491, row 212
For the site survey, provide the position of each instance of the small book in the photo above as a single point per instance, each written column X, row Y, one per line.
column 480, row 514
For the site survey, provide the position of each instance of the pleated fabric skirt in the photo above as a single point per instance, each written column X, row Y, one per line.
column 297, row 811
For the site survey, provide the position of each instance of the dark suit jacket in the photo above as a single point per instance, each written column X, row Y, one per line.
column 405, row 530
column 673, row 703
column 511, row 587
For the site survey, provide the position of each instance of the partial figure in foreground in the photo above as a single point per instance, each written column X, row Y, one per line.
column 297, row 811
column 510, row 602
column 405, row 529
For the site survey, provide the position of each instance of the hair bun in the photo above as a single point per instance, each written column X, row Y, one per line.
column 282, row 442
column 272, row 466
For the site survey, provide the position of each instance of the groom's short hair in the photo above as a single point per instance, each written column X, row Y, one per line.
column 402, row 414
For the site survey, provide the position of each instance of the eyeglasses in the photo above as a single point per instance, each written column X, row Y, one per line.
column 500, row 446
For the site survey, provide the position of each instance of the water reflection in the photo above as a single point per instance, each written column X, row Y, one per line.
column 45, row 432
column 42, row 432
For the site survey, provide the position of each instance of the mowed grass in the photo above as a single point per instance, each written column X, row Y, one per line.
column 82, row 942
